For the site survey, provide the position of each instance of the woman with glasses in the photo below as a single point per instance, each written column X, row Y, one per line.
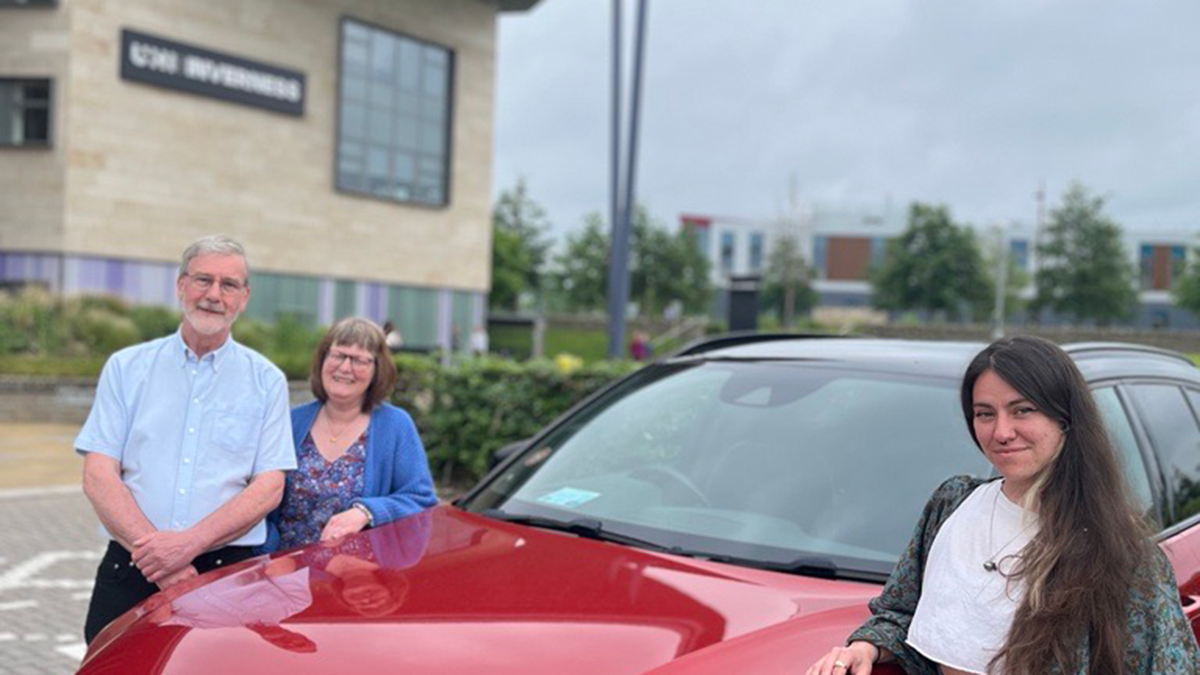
column 360, row 461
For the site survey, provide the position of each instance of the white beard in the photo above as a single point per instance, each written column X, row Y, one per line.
column 206, row 323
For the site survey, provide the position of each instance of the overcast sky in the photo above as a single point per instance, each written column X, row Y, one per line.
column 970, row 104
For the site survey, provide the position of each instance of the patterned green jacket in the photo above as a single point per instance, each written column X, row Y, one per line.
column 1160, row 640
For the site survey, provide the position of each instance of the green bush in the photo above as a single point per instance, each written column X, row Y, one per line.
column 253, row 333
column 33, row 323
column 100, row 331
column 154, row 321
column 476, row 406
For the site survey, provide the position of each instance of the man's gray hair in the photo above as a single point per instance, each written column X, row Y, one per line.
column 213, row 244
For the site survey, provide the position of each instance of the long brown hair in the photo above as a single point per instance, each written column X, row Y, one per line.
column 1080, row 566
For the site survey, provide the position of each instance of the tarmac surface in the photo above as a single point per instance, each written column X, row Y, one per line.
column 49, row 548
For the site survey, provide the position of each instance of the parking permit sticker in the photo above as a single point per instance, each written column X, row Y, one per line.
column 568, row 497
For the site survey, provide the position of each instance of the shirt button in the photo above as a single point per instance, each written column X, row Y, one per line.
column 182, row 491
column 187, row 460
column 192, row 430
column 195, row 400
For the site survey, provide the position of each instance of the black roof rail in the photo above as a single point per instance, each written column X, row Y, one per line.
column 708, row 344
column 1087, row 349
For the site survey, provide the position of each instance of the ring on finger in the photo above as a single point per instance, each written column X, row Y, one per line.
column 839, row 664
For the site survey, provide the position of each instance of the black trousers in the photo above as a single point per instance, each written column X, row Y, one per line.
column 120, row 585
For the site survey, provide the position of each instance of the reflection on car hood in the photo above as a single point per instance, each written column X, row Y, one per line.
column 452, row 592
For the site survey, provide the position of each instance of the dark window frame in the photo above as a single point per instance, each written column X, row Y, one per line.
column 37, row 143
column 1154, row 461
column 340, row 183
column 27, row 4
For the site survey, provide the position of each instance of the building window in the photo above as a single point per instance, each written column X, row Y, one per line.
column 756, row 252
column 1160, row 265
column 24, row 112
column 1018, row 251
column 394, row 116
column 726, row 252
column 27, row 3
column 820, row 255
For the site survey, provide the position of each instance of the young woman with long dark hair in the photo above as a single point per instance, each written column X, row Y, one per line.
column 1050, row 569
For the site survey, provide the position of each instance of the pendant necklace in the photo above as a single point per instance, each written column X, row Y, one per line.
column 992, row 564
column 333, row 435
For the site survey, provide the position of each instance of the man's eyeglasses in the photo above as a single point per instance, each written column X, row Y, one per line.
column 356, row 362
column 203, row 282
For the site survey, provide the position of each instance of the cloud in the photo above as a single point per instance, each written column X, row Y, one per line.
column 967, row 104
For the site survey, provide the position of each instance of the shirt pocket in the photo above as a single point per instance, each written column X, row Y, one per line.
column 236, row 427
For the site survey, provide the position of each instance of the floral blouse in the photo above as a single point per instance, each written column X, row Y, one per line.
column 1160, row 641
column 319, row 489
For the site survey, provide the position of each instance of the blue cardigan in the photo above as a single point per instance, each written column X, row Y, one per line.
column 396, row 480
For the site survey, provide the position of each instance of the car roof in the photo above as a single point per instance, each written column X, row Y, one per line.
column 1097, row 360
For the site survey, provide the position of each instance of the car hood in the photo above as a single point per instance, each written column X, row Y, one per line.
column 452, row 592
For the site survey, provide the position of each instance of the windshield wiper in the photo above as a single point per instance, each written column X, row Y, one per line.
column 588, row 528
column 592, row 528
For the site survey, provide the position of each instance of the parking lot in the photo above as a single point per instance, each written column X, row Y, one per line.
column 48, row 550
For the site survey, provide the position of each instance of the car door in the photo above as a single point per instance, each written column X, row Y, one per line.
column 1167, row 413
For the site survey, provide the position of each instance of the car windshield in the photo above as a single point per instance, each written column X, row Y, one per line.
column 763, row 461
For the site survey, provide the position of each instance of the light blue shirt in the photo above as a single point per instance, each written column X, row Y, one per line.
column 190, row 433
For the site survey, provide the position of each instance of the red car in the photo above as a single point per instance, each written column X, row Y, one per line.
column 728, row 510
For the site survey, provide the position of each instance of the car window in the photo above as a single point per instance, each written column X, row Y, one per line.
column 1176, row 439
column 1116, row 421
column 770, row 460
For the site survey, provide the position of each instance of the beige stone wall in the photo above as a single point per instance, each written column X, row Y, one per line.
column 151, row 169
column 33, row 43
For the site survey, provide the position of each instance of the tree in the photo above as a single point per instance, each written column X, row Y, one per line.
column 1083, row 271
column 510, row 265
column 1187, row 289
column 666, row 267
column 786, row 281
column 663, row 267
column 520, row 248
column 582, row 268
column 934, row 266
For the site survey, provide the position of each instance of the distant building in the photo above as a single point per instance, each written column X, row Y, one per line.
column 347, row 143
column 842, row 243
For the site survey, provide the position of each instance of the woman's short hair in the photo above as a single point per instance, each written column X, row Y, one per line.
column 366, row 335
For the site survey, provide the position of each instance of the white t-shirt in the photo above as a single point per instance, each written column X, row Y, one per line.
column 965, row 611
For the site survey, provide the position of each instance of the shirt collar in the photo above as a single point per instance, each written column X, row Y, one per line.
column 217, row 357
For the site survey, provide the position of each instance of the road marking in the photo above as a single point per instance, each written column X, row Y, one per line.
column 44, row 491
column 5, row 637
column 65, row 637
column 35, row 637
column 22, row 574
column 86, row 595
column 17, row 604
column 76, row 651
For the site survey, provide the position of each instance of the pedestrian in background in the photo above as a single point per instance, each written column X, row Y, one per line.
column 186, row 444
column 392, row 334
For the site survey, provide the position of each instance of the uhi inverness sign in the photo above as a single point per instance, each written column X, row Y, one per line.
column 166, row 63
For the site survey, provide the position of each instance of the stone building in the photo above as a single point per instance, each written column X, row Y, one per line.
column 346, row 143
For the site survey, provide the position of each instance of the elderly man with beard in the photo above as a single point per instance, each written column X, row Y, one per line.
column 186, row 444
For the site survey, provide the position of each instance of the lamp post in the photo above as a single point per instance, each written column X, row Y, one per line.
column 623, row 199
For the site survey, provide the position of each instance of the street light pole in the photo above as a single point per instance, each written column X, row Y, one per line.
column 624, row 201
column 1001, row 281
